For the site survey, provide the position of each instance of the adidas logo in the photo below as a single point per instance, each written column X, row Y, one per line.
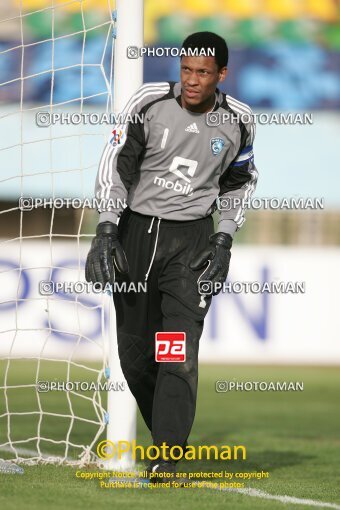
column 192, row 128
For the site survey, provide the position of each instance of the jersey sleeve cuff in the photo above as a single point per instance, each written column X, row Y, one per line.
column 227, row 226
column 108, row 216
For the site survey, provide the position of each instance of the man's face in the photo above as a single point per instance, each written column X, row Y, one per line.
column 199, row 78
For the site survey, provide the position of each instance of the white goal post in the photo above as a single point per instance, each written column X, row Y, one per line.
column 128, row 34
column 55, row 336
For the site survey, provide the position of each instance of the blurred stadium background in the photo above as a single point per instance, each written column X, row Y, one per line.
column 284, row 57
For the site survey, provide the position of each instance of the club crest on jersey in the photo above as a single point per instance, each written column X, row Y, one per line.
column 216, row 145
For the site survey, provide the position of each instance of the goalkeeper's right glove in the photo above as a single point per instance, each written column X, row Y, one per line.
column 105, row 256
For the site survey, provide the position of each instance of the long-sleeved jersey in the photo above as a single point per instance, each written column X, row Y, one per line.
column 169, row 162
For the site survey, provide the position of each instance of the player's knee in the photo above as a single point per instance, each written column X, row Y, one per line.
column 186, row 370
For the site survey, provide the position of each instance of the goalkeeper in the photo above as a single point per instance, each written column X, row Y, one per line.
column 172, row 167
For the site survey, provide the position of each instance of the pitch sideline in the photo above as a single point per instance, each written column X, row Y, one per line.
column 283, row 499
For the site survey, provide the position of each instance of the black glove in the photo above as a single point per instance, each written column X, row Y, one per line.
column 105, row 254
column 217, row 255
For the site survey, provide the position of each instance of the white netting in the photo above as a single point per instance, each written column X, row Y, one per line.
column 54, row 337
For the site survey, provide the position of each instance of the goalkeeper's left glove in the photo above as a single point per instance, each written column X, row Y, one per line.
column 217, row 255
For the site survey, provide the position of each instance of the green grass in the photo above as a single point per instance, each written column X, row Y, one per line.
column 292, row 435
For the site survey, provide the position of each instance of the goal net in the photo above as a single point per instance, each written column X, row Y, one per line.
column 60, row 394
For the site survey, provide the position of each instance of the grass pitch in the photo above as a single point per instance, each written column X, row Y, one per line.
column 295, row 436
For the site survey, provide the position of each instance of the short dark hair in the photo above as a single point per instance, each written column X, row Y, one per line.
column 205, row 40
